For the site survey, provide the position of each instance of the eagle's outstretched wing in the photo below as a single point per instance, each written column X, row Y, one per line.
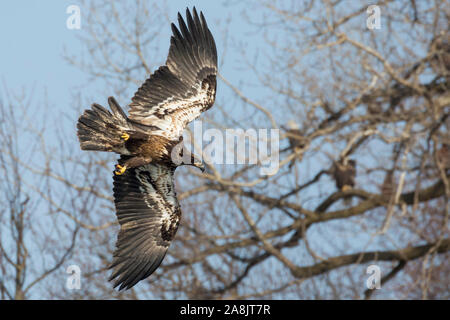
column 149, row 213
column 180, row 91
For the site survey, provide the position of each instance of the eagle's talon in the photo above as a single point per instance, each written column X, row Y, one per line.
column 125, row 136
column 346, row 188
column 119, row 169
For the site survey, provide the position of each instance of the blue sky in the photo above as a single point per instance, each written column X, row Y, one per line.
column 34, row 34
column 35, row 37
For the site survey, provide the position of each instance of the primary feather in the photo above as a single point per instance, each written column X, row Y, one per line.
column 180, row 91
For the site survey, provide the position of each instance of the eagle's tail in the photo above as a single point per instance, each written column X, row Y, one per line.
column 101, row 130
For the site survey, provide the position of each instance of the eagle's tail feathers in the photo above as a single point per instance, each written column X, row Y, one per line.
column 116, row 109
column 101, row 130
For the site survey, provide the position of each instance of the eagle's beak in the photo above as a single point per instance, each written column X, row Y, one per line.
column 199, row 165
column 196, row 162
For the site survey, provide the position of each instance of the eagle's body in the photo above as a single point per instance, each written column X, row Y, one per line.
column 146, row 204
column 152, row 148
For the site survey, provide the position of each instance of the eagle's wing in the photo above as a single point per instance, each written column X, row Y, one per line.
column 180, row 91
column 149, row 213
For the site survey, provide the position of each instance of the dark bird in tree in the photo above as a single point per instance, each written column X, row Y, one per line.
column 344, row 172
column 443, row 156
column 440, row 60
column 148, row 142
column 296, row 140
column 388, row 187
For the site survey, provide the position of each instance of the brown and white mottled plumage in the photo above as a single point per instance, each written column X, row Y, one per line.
column 145, row 200
column 180, row 91
column 149, row 214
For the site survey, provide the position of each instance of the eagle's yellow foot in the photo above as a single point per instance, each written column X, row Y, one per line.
column 346, row 188
column 120, row 169
column 125, row 136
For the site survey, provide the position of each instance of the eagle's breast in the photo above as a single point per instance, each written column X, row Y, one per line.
column 157, row 148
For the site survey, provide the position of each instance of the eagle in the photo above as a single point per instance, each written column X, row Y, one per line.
column 344, row 173
column 440, row 49
column 388, row 187
column 296, row 140
column 443, row 156
column 148, row 141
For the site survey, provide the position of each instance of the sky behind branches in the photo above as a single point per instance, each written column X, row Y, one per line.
column 35, row 36
column 32, row 65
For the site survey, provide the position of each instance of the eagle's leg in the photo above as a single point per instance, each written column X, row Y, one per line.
column 120, row 169
column 134, row 135
column 132, row 163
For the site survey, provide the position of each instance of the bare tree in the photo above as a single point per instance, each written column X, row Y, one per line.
column 378, row 96
column 34, row 239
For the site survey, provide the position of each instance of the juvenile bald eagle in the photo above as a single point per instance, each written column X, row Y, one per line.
column 146, row 204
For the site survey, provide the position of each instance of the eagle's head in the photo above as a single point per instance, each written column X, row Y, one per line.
column 196, row 163
column 181, row 156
